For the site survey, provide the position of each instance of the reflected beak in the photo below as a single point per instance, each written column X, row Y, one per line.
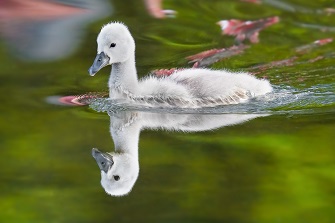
column 100, row 61
column 104, row 160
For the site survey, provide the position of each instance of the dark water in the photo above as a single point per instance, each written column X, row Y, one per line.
column 277, row 167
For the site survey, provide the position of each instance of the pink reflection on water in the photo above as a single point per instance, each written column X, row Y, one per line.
column 35, row 10
column 45, row 30
column 208, row 57
column 315, row 44
column 76, row 100
column 246, row 29
column 155, row 9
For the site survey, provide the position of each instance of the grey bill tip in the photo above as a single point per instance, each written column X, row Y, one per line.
column 104, row 160
column 100, row 61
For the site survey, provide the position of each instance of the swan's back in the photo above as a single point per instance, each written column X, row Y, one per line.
column 220, row 83
column 201, row 88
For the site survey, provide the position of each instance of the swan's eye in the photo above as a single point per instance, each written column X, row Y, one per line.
column 112, row 45
column 116, row 177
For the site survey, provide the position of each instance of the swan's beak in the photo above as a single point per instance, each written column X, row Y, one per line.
column 100, row 61
column 104, row 160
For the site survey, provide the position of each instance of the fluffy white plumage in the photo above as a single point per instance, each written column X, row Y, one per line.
column 184, row 88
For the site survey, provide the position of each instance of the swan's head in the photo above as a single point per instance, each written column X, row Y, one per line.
column 119, row 172
column 115, row 45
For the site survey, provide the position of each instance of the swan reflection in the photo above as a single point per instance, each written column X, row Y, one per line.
column 120, row 169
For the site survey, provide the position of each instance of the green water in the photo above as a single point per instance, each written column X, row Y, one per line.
column 278, row 168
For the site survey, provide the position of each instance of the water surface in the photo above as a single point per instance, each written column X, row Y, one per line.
column 278, row 167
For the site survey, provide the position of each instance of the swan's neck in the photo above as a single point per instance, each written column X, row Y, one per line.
column 126, row 144
column 123, row 79
column 125, row 131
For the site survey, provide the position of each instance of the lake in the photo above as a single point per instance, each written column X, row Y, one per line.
column 268, row 160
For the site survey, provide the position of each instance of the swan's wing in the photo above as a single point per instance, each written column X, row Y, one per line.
column 213, row 88
column 234, row 96
column 220, row 84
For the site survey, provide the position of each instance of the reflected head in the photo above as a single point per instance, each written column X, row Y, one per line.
column 119, row 172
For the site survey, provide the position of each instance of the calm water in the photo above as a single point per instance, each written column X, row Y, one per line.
column 275, row 164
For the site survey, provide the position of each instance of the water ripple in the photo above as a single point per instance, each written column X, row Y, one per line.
column 283, row 100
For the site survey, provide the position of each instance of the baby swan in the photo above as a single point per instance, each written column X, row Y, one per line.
column 184, row 88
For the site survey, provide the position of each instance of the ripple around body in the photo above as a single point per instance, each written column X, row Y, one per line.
column 284, row 99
